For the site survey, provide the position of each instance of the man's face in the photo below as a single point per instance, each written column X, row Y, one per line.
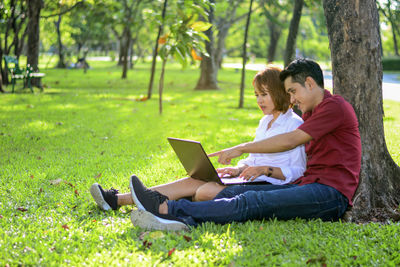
column 299, row 95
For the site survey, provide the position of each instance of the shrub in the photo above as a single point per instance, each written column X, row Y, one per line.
column 391, row 63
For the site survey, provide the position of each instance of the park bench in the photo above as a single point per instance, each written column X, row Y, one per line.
column 24, row 74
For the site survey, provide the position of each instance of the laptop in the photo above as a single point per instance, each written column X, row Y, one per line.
column 197, row 164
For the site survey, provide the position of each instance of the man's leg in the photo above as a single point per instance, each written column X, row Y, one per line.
column 292, row 201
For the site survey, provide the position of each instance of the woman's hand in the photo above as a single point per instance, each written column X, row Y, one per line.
column 251, row 173
column 231, row 171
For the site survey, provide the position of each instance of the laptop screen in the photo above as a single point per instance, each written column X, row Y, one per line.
column 194, row 159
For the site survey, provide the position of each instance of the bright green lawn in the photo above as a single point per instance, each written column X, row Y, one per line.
column 89, row 128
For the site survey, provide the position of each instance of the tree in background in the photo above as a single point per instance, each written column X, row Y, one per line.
column 353, row 28
column 34, row 9
column 208, row 68
column 293, row 29
column 155, row 51
column 390, row 9
column 13, row 30
column 241, row 97
column 183, row 40
column 276, row 14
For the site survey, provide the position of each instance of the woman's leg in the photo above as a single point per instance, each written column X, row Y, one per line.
column 185, row 187
column 208, row 191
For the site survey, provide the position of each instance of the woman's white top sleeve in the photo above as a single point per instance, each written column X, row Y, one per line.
column 292, row 162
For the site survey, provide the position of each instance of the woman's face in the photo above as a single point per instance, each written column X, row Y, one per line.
column 264, row 101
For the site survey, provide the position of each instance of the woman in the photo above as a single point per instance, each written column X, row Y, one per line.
column 275, row 168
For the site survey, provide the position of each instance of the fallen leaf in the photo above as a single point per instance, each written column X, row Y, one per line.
column 76, row 192
column 39, row 157
column 284, row 240
column 22, row 209
column 142, row 98
column 40, row 190
column 102, row 152
column 187, row 238
column 261, row 228
column 1, row 216
column 142, row 235
column 147, row 244
column 32, row 176
column 98, row 175
column 56, row 181
column 354, row 257
column 70, row 184
column 170, row 252
column 156, row 235
column 65, row 227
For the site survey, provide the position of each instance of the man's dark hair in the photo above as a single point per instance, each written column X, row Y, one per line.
column 302, row 68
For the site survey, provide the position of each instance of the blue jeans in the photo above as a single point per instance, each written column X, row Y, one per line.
column 240, row 203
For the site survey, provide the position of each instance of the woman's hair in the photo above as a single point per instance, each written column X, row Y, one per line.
column 268, row 81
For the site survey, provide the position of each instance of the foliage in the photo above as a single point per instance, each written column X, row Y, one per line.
column 184, row 32
column 91, row 128
column 391, row 63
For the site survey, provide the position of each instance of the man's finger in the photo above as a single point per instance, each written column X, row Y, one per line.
column 214, row 154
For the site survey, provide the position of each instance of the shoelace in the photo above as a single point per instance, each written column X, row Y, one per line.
column 156, row 195
column 113, row 191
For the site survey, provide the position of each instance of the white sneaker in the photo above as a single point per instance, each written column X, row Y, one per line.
column 149, row 221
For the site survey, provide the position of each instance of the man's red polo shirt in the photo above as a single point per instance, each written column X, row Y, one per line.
column 334, row 153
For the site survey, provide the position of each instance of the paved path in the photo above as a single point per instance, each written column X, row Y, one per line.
column 390, row 85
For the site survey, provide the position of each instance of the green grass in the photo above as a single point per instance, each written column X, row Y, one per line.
column 90, row 128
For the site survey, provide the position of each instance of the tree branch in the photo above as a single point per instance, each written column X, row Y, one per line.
column 63, row 12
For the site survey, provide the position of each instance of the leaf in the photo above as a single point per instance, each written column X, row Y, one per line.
column 142, row 235
column 147, row 244
column 187, row 238
column 170, row 252
column 65, row 227
column 1, row 216
column 195, row 56
column 22, row 209
column 98, row 175
column 56, row 181
column 76, row 192
column 200, row 26
column 156, row 235
column 142, row 98
column 32, row 176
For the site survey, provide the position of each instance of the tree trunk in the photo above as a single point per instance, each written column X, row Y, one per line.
column 61, row 61
column 274, row 35
column 1, row 85
column 208, row 74
column 155, row 51
column 127, row 41
column 293, row 29
column 34, row 8
column 161, row 85
column 396, row 47
column 355, row 44
column 242, row 82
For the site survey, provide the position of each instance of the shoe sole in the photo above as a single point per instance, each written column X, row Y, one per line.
column 149, row 221
column 98, row 197
column 134, row 197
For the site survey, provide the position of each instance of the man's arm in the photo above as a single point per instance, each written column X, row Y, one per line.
column 277, row 143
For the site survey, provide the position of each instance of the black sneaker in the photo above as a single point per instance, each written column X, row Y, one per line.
column 106, row 200
column 145, row 199
column 150, row 221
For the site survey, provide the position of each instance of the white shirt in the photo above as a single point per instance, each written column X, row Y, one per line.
column 292, row 162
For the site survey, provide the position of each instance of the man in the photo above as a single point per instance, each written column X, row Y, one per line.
column 333, row 147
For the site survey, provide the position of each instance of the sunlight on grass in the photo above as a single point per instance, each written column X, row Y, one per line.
column 88, row 128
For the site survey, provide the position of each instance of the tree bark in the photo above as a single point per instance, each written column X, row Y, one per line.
column 274, row 35
column 242, row 82
column 61, row 61
column 293, row 29
column 208, row 73
column 127, row 43
column 353, row 29
column 155, row 51
column 161, row 85
column 34, row 8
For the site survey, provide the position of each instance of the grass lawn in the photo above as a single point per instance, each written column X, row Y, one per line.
column 88, row 128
